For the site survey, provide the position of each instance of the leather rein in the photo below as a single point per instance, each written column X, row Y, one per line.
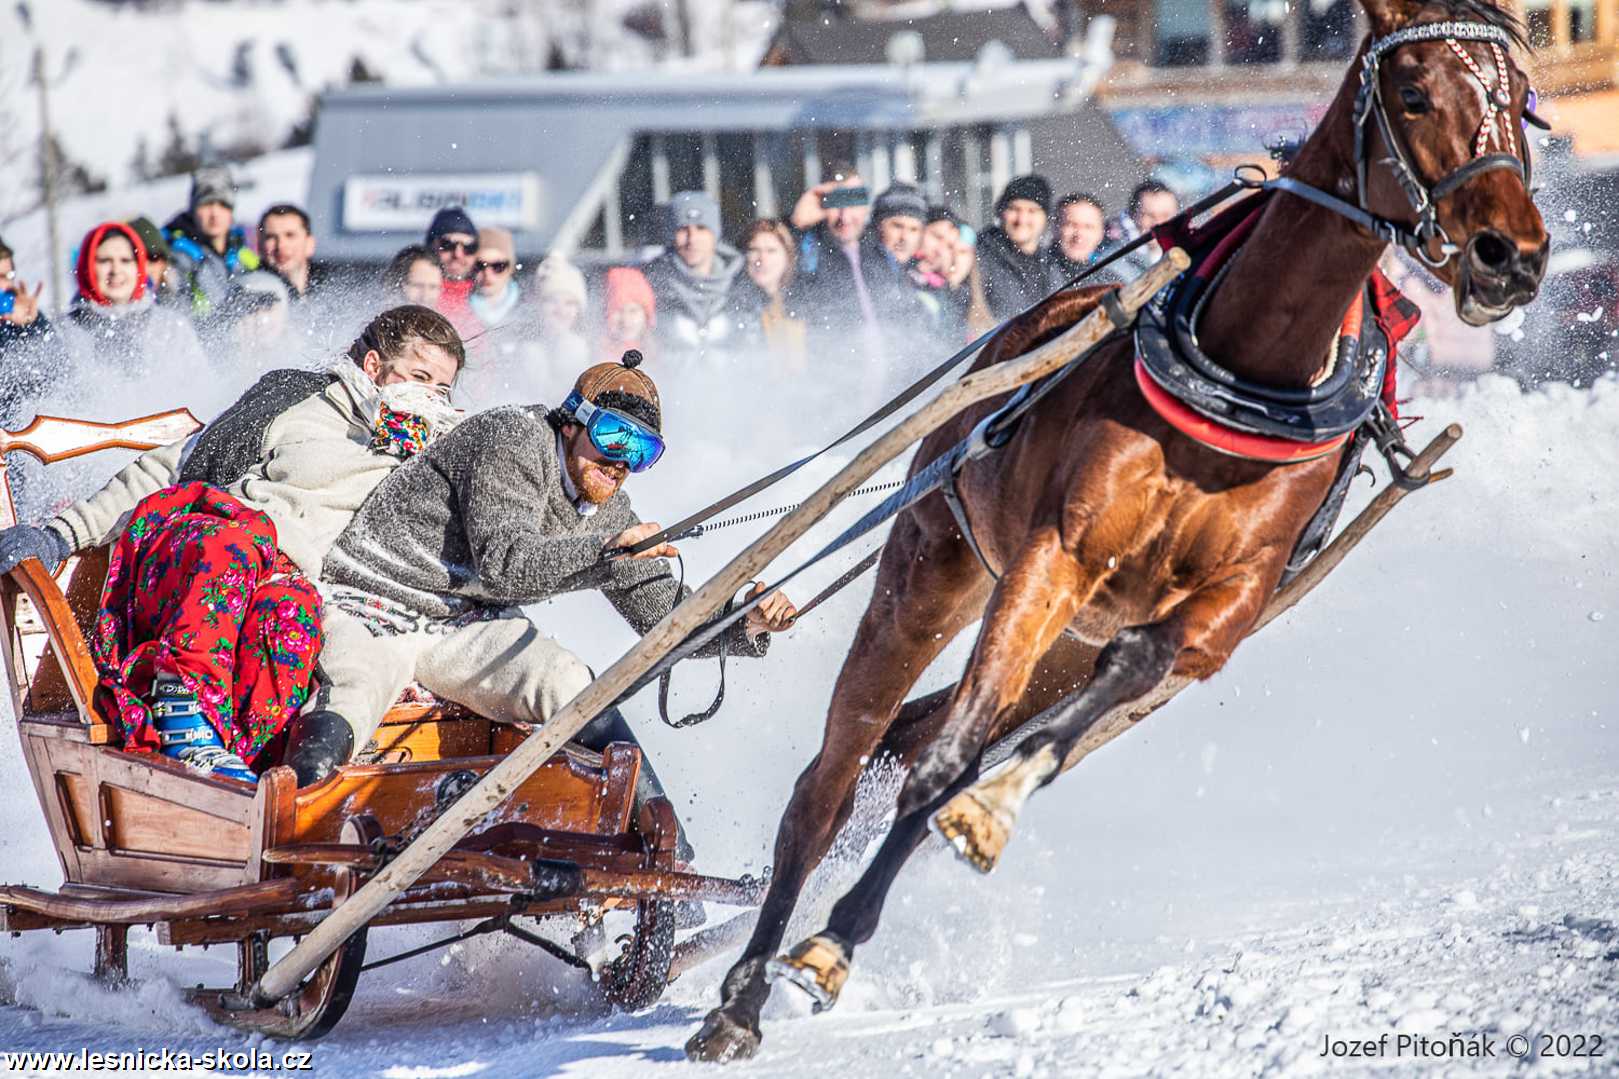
column 1427, row 235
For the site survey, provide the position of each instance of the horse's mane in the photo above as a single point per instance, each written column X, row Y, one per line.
column 1486, row 11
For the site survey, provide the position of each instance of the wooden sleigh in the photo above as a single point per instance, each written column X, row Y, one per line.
column 201, row 860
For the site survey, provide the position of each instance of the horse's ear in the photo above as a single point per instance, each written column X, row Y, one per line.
column 1388, row 16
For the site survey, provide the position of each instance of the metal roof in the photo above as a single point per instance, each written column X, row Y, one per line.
column 569, row 130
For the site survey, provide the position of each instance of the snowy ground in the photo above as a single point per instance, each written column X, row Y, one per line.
column 1392, row 813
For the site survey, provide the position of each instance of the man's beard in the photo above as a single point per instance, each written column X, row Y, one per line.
column 595, row 483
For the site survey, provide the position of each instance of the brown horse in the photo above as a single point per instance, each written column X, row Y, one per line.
column 1155, row 552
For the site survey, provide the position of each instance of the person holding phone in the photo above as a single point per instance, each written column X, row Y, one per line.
column 840, row 265
column 23, row 330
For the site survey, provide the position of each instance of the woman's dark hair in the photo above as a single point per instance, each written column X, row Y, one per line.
column 398, row 271
column 391, row 332
column 1145, row 188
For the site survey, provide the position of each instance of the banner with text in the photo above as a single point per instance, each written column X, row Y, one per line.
column 407, row 203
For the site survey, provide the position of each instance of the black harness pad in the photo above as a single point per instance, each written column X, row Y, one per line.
column 1166, row 340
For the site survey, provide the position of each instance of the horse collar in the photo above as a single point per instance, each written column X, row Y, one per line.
column 1221, row 410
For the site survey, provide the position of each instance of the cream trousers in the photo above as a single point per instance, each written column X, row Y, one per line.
column 503, row 668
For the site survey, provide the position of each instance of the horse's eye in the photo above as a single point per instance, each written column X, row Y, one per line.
column 1414, row 100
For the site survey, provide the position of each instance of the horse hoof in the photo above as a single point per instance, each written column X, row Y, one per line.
column 974, row 831
column 722, row 1040
column 819, row 966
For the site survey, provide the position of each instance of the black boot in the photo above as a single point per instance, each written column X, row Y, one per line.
column 318, row 742
column 610, row 726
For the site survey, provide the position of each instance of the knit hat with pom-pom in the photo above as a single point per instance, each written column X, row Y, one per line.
column 624, row 387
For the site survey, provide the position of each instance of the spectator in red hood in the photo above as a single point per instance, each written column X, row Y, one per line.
column 454, row 239
column 113, row 326
column 630, row 314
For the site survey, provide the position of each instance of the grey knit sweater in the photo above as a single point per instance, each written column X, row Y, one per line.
column 481, row 519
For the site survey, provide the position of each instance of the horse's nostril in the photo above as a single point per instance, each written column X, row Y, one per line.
column 1493, row 252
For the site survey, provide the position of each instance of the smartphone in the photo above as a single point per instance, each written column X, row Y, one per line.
column 842, row 197
column 8, row 302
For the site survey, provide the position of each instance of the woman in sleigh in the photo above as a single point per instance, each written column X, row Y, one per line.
column 209, row 623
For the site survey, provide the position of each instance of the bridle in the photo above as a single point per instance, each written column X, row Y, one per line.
column 1427, row 234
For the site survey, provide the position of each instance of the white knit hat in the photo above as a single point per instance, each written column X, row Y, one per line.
column 556, row 276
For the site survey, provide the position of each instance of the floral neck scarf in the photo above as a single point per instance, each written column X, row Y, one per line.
column 404, row 417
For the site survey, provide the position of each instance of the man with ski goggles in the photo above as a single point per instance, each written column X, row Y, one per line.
column 513, row 507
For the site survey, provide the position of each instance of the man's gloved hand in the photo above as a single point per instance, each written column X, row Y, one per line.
column 26, row 541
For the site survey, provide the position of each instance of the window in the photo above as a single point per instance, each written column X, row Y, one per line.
column 1253, row 31
column 1538, row 21
column 1183, row 32
column 1329, row 30
column 1582, row 20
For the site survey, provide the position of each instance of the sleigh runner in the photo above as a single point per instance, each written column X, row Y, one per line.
column 143, row 841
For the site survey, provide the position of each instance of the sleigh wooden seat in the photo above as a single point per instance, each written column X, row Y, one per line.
column 141, row 821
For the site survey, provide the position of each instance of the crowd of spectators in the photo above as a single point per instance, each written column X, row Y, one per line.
column 885, row 280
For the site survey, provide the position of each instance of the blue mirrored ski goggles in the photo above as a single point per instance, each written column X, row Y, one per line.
column 616, row 436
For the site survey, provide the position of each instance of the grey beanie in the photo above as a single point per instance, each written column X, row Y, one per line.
column 901, row 200
column 212, row 183
column 694, row 208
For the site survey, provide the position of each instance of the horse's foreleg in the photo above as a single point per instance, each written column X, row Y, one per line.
column 926, row 592
column 1039, row 595
column 1195, row 639
column 1035, row 601
column 1065, row 667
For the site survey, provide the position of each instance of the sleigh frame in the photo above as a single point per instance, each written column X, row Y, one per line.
column 143, row 841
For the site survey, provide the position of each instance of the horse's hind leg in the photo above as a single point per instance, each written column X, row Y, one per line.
column 1195, row 639
column 1035, row 601
column 928, row 588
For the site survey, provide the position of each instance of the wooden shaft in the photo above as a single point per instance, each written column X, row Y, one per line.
column 710, row 941
column 494, row 872
column 263, row 897
column 500, row 781
column 1125, row 716
column 671, row 885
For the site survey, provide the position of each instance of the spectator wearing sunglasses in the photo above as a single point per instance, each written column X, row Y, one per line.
column 513, row 507
column 496, row 374
column 453, row 238
column 495, row 295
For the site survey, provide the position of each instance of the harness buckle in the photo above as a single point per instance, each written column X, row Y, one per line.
column 1249, row 176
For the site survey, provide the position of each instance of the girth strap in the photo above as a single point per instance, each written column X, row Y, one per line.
column 958, row 510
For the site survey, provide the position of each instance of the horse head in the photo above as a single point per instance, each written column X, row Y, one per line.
column 1442, row 147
